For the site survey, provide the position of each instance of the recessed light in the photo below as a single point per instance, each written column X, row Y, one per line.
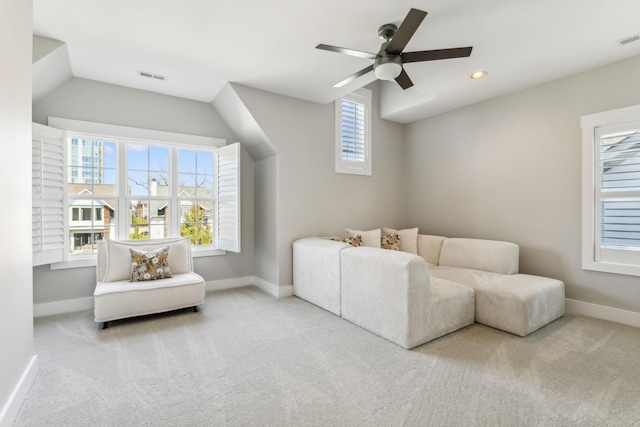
column 478, row 75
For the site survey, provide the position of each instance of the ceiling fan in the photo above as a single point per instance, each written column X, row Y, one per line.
column 387, row 63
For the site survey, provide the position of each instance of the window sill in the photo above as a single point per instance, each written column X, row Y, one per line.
column 90, row 260
column 199, row 253
column 611, row 267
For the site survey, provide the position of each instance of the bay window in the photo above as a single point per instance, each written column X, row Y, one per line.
column 126, row 183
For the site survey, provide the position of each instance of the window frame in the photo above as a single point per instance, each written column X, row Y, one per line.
column 595, row 257
column 116, row 133
column 363, row 97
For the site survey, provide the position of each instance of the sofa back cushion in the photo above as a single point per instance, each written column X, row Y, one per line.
column 114, row 258
column 477, row 254
column 429, row 247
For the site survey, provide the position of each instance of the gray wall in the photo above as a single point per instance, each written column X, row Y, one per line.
column 16, row 322
column 506, row 169
column 510, row 169
column 266, row 219
column 313, row 200
column 88, row 100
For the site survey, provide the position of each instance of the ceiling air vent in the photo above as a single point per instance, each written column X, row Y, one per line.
column 152, row 76
column 628, row 40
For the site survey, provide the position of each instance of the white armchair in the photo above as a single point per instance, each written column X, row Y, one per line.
column 116, row 297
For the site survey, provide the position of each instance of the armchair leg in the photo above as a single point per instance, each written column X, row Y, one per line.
column 195, row 308
column 105, row 325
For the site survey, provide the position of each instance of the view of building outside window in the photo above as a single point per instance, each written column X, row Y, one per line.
column 93, row 193
column 620, row 190
column 195, row 174
column 148, row 191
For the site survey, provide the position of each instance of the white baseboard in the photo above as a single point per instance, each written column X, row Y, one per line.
column 602, row 312
column 275, row 290
column 268, row 287
column 236, row 282
column 63, row 306
column 10, row 411
column 80, row 304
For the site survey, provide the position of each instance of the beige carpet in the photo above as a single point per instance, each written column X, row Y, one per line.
column 248, row 359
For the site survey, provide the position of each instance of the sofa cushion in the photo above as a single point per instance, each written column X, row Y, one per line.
column 487, row 255
column 429, row 248
column 474, row 278
column 517, row 303
column 121, row 299
column 408, row 238
column 118, row 265
column 453, row 307
column 387, row 293
column 316, row 272
column 151, row 265
column 369, row 238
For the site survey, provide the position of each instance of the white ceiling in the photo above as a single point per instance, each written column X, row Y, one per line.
column 200, row 45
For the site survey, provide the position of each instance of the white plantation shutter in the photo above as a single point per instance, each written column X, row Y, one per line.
column 619, row 172
column 352, row 130
column 353, row 133
column 611, row 191
column 48, row 191
column 228, row 232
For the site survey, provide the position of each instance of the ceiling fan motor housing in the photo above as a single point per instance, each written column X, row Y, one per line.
column 384, row 57
column 387, row 31
column 387, row 66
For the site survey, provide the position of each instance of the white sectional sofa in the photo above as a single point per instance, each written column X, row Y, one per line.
column 117, row 297
column 412, row 298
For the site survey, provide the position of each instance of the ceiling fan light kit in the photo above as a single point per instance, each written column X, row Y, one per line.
column 388, row 71
column 388, row 62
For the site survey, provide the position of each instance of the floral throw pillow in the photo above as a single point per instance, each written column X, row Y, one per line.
column 408, row 238
column 150, row 265
column 369, row 238
column 390, row 241
column 352, row 240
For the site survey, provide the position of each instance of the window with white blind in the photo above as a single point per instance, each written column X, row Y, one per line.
column 126, row 183
column 611, row 191
column 353, row 133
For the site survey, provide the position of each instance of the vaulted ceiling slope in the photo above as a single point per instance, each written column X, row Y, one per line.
column 199, row 46
column 51, row 67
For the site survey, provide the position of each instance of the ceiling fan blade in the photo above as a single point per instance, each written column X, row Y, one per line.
column 352, row 52
column 403, row 80
column 406, row 30
column 354, row 76
column 433, row 55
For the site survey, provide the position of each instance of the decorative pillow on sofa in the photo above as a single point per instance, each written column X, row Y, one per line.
column 150, row 265
column 390, row 241
column 408, row 238
column 369, row 238
column 353, row 240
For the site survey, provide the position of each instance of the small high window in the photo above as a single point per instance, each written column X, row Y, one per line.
column 353, row 133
